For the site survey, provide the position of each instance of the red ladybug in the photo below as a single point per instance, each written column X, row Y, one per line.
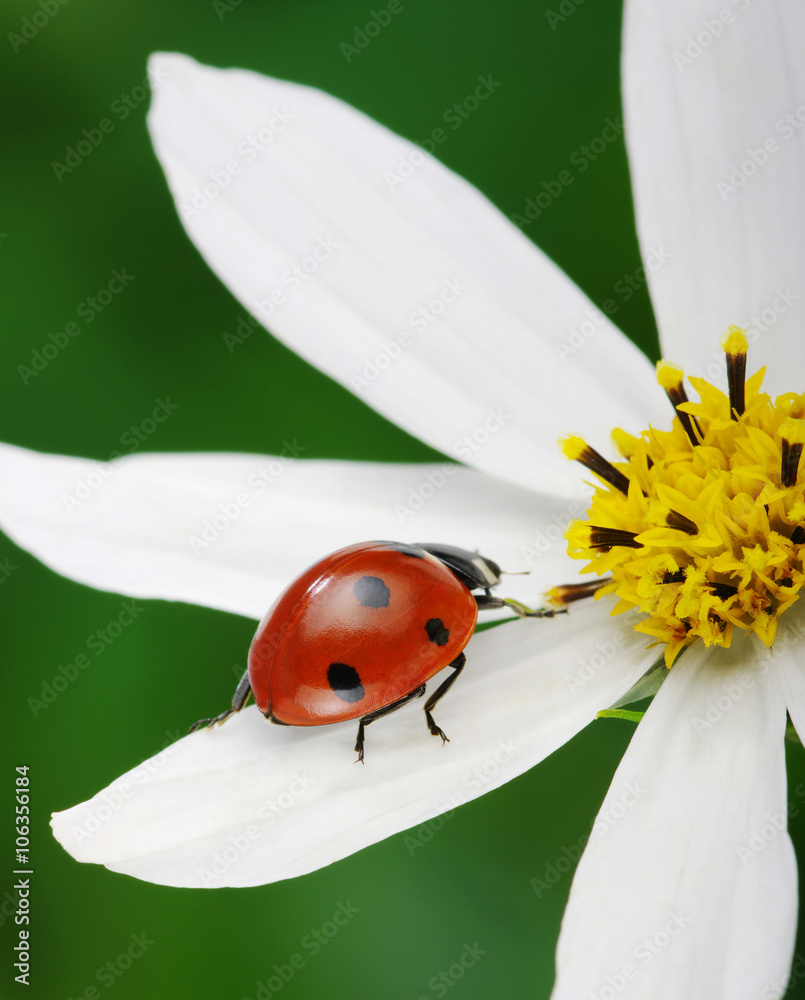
column 359, row 634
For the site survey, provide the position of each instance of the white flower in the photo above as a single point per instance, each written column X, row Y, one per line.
column 688, row 885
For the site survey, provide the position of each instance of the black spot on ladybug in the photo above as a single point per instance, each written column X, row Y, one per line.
column 407, row 550
column 371, row 592
column 437, row 632
column 345, row 682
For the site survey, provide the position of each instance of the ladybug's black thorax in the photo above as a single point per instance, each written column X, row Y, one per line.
column 473, row 570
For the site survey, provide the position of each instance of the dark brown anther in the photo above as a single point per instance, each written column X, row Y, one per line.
column 735, row 345
column 596, row 463
column 736, row 377
column 789, row 467
column 681, row 523
column 677, row 395
column 567, row 593
column 607, row 538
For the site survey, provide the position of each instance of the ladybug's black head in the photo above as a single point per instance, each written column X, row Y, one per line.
column 473, row 570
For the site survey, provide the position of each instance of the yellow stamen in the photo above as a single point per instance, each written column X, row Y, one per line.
column 734, row 341
column 578, row 450
column 671, row 378
column 572, row 446
column 627, row 444
column 701, row 527
column 792, row 434
column 566, row 594
column 735, row 345
column 793, row 431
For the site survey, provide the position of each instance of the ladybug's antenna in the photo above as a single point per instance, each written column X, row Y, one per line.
column 519, row 572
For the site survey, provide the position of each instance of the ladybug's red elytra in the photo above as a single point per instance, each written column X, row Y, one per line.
column 360, row 633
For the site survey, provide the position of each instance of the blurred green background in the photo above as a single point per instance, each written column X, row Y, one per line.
column 61, row 239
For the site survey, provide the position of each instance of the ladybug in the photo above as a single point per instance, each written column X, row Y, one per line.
column 359, row 634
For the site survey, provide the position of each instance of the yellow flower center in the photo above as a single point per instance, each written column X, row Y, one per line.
column 700, row 527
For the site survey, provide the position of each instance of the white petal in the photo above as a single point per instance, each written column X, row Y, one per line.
column 696, row 120
column 231, row 531
column 250, row 803
column 688, row 885
column 788, row 657
column 483, row 361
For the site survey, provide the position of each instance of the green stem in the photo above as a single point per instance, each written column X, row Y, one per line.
column 620, row 713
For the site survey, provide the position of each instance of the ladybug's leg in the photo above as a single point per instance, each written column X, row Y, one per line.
column 372, row 716
column 487, row 602
column 441, row 690
column 239, row 699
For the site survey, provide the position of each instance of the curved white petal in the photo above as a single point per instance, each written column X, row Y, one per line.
column 688, row 885
column 250, row 803
column 418, row 295
column 231, row 531
column 717, row 173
